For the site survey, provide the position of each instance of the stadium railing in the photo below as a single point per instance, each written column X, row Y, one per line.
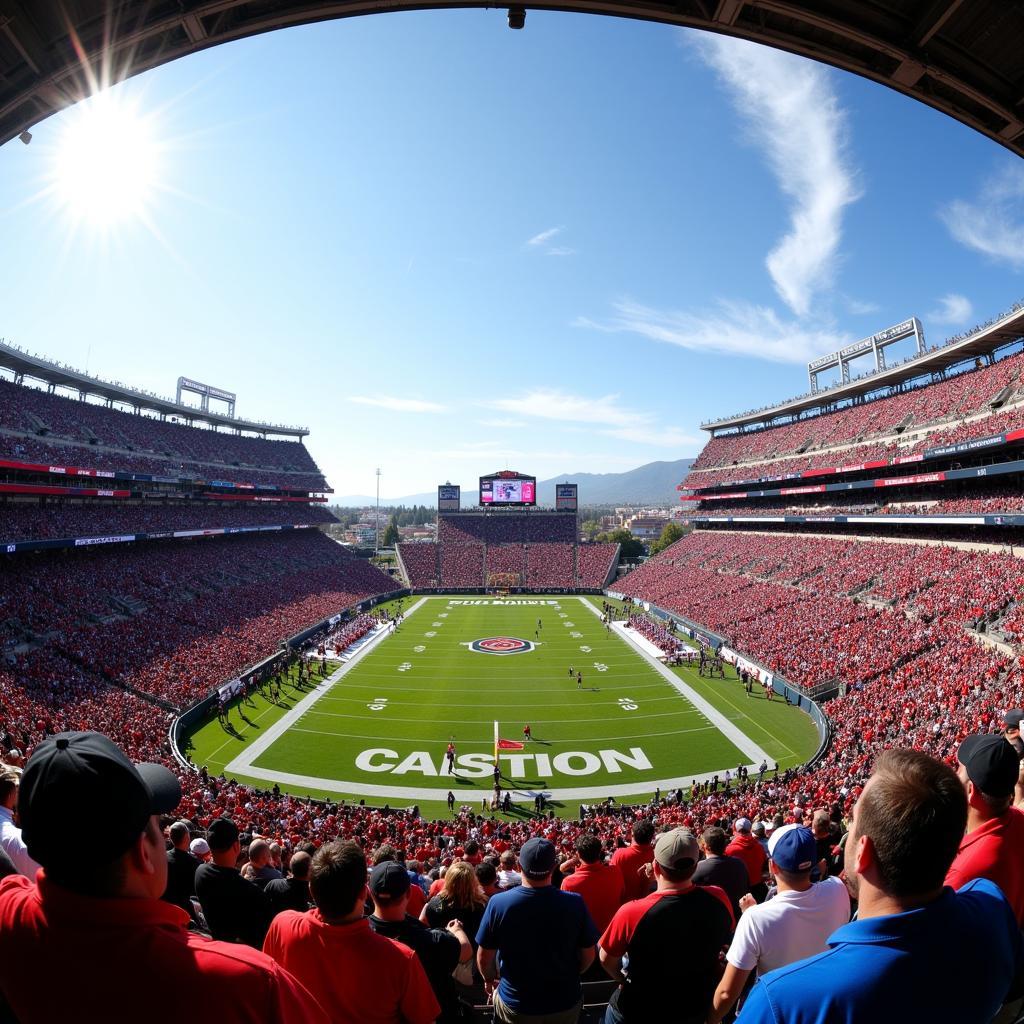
column 264, row 668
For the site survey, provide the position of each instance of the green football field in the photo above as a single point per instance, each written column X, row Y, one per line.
column 379, row 729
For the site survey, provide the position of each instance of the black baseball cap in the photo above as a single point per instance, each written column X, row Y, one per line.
column 390, row 880
column 1012, row 719
column 222, row 834
column 73, row 780
column 991, row 764
column 538, row 857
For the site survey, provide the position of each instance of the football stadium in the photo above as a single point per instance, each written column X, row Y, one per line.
column 249, row 772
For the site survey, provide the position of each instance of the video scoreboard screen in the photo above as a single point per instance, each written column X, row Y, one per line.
column 508, row 490
column 449, row 497
column 566, row 496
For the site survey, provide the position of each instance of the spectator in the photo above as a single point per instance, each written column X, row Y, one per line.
column 235, row 909
column 632, row 860
column 439, row 950
column 487, row 876
column 260, row 870
column 356, row 976
column 896, row 961
column 747, row 849
column 599, row 884
column 674, row 938
column 794, row 925
column 993, row 847
column 460, row 898
column 824, row 843
column 291, row 893
column 200, row 849
column 718, row 868
column 545, row 941
column 417, row 898
column 11, row 841
column 1011, row 725
column 181, row 869
column 508, row 877
column 92, row 934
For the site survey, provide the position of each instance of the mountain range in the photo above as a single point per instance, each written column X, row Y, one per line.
column 651, row 484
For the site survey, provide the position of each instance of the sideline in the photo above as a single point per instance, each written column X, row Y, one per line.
column 242, row 765
column 736, row 736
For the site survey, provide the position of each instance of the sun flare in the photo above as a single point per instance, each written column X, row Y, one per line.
column 106, row 168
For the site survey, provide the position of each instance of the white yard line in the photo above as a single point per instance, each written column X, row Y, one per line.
column 736, row 736
column 472, row 795
column 243, row 764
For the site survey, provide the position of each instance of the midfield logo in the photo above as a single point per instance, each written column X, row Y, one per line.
column 500, row 645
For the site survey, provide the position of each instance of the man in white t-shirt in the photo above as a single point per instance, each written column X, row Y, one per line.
column 508, row 877
column 794, row 925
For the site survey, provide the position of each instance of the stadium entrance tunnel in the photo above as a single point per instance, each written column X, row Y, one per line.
column 939, row 54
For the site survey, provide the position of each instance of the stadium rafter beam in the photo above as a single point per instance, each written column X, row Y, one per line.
column 962, row 58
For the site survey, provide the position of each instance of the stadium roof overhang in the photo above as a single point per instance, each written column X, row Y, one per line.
column 963, row 57
column 39, row 368
column 1002, row 331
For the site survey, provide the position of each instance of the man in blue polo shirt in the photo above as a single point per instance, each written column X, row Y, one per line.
column 918, row 951
column 540, row 940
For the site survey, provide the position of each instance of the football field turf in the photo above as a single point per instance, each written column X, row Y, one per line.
column 379, row 728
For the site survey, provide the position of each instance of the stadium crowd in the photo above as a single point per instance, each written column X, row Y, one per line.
column 99, row 517
column 173, row 618
column 454, row 563
column 957, row 397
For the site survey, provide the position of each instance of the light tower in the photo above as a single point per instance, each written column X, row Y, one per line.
column 376, row 520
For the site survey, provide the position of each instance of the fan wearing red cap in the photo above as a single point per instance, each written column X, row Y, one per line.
column 92, row 932
column 993, row 844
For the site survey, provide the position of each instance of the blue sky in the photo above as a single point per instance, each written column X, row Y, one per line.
column 447, row 247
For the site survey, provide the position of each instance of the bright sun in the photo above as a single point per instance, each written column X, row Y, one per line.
column 106, row 169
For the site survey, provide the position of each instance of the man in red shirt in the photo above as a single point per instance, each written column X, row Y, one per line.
column 993, row 846
column 674, row 937
column 599, row 884
column 751, row 852
column 92, row 935
column 632, row 860
column 357, row 976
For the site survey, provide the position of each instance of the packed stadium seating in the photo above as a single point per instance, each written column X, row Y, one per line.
column 506, row 528
column 507, row 560
column 559, row 565
column 39, row 427
column 33, row 521
column 174, row 618
column 789, row 601
column 959, row 396
column 595, row 563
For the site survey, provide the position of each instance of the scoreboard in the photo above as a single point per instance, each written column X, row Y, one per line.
column 449, row 497
column 508, row 488
column 567, row 496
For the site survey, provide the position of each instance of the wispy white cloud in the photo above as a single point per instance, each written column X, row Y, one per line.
column 504, row 423
column 604, row 415
column 860, row 307
column 993, row 222
column 792, row 114
column 733, row 328
column 561, row 250
column 544, row 236
column 396, row 404
column 954, row 310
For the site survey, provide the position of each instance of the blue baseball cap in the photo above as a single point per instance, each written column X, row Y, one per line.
column 793, row 848
column 537, row 857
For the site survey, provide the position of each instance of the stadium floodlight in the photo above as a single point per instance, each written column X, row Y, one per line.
column 516, row 17
column 26, row 136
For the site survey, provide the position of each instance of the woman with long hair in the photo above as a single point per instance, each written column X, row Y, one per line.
column 462, row 898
